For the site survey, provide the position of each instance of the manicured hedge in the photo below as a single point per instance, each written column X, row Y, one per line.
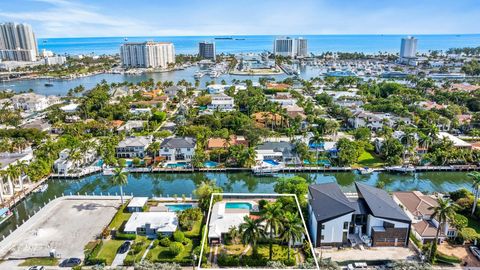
column 443, row 258
column 125, row 236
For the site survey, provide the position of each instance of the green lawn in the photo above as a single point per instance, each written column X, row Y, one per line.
column 120, row 217
column 46, row 261
column 237, row 249
column 195, row 231
column 109, row 250
column 161, row 252
column 146, row 243
column 366, row 159
column 279, row 252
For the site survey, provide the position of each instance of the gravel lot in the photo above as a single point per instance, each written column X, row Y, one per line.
column 374, row 253
column 66, row 224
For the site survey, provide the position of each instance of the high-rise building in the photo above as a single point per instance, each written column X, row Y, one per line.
column 206, row 50
column 408, row 47
column 289, row 47
column 301, row 47
column 17, row 42
column 147, row 54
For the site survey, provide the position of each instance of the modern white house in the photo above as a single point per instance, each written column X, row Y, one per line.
column 138, row 111
column 178, row 148
column 70, row 108
column 221, row 102
column 417, row 206
column 368, row 217
column 222, row 220
column 30, row 102
column 132, row 147
column 64, row 164
column 375, row 121
column 152, row 224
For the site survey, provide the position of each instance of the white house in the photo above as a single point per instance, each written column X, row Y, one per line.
column 30, row 102
column 221, row 102
column 132, row 147
column 369, row 216
column 178, row 148
column 375, row 121
column 136, row 204
column 70, row 108
column 152, row 223
column 138, row 111
column 64, row 164
column 222, row 220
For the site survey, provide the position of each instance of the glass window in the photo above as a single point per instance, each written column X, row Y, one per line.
column 345, row 225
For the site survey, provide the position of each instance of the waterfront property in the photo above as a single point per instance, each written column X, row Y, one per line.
column 418, row 207
column 147, row 54
column 132, row 147
column 368, row 217
column 224, row 216
column 137, row 204
column 152, row 224
column 64, row 164
column 178, row 148
column 221, row 102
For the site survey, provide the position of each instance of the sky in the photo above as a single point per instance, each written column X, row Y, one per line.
column 96, row 18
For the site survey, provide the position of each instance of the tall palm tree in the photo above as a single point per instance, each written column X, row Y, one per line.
column 119, row 178
column 2, row 189
column 22, row 167
column 476, row 188
column 251, row 232
column 233, row 234
column 292, row 229
column 445, row 209
column 273, row 215
column 154, row 148
column 12, row 173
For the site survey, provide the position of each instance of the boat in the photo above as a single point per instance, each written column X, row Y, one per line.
column 365, row 170
column 5, row 214
column 108, row 171
column 198, row 75
column 125, row 39
column 401, row 169
column 42, row 188
column 266, row 170
column 226, row 38
column 49, row 84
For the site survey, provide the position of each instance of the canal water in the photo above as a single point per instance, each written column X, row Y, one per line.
column 61, row 87
column 183, row 184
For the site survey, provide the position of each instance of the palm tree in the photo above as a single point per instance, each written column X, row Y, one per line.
column 317, row 140
column 22, row 167
column 272, row 216
column 12, row 173
column 2, row 189
column 119, row 178
column 292, row 230
column 233, row 234
column 444, row 210
column 154, row 148
column 476, row 188
column 251, row 231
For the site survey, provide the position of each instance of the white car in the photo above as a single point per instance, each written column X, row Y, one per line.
column 36, row 268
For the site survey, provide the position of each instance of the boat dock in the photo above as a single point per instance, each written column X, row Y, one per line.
column 85, row 172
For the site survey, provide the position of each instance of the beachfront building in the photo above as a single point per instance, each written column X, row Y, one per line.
column 288, row 47
column 408, row 51
column 418, row 208
column 152, row 224
column 206, row 50
column 368, row 217
column 147, row 54
column 55, row 60
column 178, row 148
column 132, row 147
column 221, row 102
column 17, row 42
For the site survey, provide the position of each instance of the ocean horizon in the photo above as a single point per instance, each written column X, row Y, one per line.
column 260, row 43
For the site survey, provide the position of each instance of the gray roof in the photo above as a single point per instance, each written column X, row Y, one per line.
column 380, row 204
column 135, row 142
column 285, row 147
column 178, row 142
column 329, row 202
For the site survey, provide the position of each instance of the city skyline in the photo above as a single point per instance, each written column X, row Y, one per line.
column 58, row 18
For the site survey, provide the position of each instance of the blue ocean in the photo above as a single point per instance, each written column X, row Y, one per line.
column 246, row 44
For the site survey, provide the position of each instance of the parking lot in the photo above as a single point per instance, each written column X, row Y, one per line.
column 66, row 224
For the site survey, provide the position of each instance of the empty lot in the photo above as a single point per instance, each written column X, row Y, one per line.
column 66, row 224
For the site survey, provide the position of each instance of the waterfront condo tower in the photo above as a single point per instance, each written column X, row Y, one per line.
column 289, row 47
column 147, row 54
column 206, row 50
column 408, row 48
column 17, row 42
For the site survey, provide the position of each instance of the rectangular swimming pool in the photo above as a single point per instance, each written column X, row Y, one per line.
column 178, row 207
column 238, row 205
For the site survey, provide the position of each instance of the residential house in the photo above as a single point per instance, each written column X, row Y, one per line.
column 172, row 91
column 139, row 111
column 152, row 224
column 32, row 102
column 284, row 99
column 369, row 216
column 221, row 143
column 278, row 151
column 132, row 147
column 70, row 108
column 64, row 164
column 132, row 125
column 267, row 119
column 418, row 208
column 457, row 142
column 374, row 120
column 221, row 102
column 39, row 124
column 178, row 148
column 137, row 204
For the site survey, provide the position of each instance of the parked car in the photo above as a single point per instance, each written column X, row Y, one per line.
column 124, row 247
column 71, row 262
column 36, row 267
column 475, row 251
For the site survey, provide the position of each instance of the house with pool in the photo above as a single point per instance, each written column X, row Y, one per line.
column 228, row 214
column 178, row 149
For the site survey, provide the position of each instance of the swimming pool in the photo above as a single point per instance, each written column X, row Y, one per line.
column 178, row 207
column 238, row 205
column 210, row 164
column 177, row 165
column 271, row 162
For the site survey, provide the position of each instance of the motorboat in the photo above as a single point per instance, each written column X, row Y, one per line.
column 198, row 75
column 365, row 170
column 108, row 171
column 42, row 188
column 401, row 169
column 49, row 84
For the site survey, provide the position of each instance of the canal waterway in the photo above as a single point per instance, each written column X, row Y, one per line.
column 162, row 184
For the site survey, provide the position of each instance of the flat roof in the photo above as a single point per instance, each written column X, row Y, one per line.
column 137, row 202
column 221, row 222
column 161, row 221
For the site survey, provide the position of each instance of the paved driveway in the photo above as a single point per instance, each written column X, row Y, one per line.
column 120, row 257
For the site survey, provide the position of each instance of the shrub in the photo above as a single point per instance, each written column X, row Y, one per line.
column 125, row 236
column 262, row 203
column 137, row 247
column 440, row 257
column 187, row 217
column 165, row 242
column 459, row 194
column 178, row 236
column 155, row 243
column 129, row 260
column 175, row 248
column 227, row 260
column 290, row 262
